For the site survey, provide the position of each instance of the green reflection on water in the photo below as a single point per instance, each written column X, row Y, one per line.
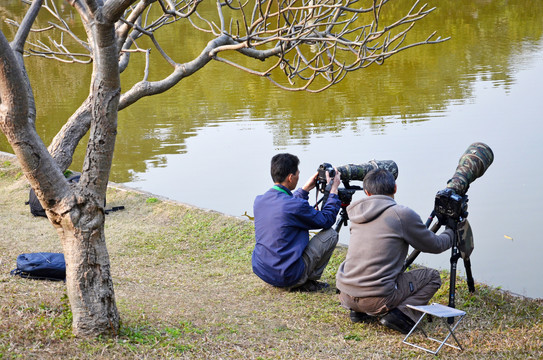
column 489, row 40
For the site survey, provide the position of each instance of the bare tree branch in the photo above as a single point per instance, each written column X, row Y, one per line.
column 65, row 142
column 18, row 47
column 24, row 29
column 146, row 88
column 113, row 10
column 311, row 39
column 37, row 164
column 300, row 45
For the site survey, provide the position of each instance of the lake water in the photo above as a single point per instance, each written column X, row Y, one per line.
column 208, row 141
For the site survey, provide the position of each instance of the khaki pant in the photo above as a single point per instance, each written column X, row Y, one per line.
column 317, row 255
column 415, row 287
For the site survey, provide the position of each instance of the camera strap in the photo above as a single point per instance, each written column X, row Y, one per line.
column 326, row 193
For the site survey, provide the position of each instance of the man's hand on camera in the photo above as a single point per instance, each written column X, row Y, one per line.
column 336, row 181
column 311, row 182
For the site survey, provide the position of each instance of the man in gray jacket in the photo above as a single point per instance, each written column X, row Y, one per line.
column 370, row 279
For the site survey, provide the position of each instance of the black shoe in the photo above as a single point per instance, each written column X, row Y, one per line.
column 311, row 286
column 397, row 320
column 358, row 317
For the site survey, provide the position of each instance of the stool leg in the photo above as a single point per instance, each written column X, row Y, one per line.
column 414, row 327
column 451, row 332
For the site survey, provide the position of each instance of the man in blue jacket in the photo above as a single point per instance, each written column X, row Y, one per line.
column 283, row 255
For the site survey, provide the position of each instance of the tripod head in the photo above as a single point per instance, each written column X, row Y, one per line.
column 345, row 196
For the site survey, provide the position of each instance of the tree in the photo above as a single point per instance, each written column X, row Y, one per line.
column 306, row 45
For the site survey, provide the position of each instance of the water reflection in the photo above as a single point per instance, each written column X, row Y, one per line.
column 489, row 41
column 209, row 140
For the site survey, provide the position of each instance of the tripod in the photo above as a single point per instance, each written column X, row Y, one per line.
column 343, row 217
column 458, row 250
column 345, row 196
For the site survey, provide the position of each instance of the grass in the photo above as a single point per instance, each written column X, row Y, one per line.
column 185, row 290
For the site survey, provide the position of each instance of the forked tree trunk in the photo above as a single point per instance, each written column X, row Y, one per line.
column 76, row 210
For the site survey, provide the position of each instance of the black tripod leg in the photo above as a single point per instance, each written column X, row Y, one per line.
column 452, row 284
column 343, row 218
column 339, row 224
column 469, row 276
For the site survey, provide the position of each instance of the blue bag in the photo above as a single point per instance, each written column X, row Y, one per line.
column 41, row 266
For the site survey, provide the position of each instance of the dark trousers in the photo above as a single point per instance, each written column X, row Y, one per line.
column 415, row 287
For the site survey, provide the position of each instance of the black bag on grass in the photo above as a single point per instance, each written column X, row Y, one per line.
column 35, row 207
column 41, row 266
column 37, row 210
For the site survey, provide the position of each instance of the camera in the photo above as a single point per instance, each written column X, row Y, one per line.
column 354, row 172
column 448, row 204
column 450, row 207
column 321, row 177
column 351, row 172
column 347, row 173
column 452, row 201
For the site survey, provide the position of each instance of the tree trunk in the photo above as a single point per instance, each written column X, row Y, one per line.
column 88, row 275
column 76, row 210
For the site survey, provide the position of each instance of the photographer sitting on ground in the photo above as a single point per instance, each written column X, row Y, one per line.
column 370, row 279
column 283, row 255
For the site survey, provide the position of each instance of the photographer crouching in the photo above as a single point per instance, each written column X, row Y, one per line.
column 371, row 279
column 284, row 256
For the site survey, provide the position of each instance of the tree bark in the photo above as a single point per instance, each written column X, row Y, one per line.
column 88, row 276
column 65, row 142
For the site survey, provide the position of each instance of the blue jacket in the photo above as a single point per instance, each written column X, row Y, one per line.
column 282, row 223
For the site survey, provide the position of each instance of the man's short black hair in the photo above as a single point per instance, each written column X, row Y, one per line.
column 282, row 165
column 379, row 182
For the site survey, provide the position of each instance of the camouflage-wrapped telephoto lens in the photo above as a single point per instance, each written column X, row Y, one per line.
column 358, row 172
column 472, row 164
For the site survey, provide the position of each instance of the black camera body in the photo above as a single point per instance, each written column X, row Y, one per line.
column 323, row 168
column 448, row 204
column 345, row 194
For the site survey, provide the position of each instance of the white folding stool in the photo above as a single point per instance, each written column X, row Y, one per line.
column 440, row 311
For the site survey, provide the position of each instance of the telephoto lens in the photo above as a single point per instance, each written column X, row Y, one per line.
column 472, row 165
column 359, row 172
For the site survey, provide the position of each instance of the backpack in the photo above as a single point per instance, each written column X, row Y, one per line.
column 35, row 207
column 37, row 210
column 41, row 266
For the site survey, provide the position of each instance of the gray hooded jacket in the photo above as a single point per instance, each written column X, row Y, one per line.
column 381, row 232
